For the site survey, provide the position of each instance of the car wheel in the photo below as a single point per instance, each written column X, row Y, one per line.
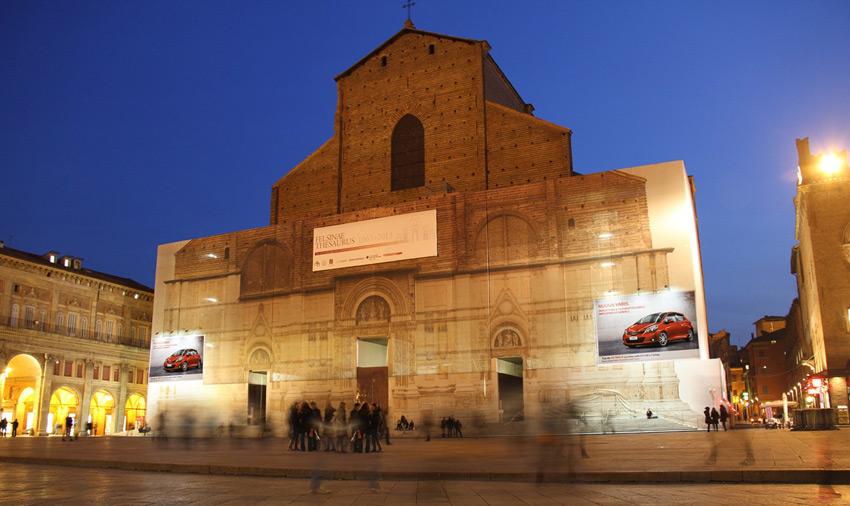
column 200, row 364
column 662, row 339
column 184, row 366
column 690, row 335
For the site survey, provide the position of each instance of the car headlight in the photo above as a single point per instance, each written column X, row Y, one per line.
column 652, row 328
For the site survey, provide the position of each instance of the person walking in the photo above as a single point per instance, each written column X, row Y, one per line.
column 14, row 427
column 293, row 426
column 715, row 418
column 341, row 423
column 724, row 415
column 707, row 413
column 328, row 428
column 3, row 424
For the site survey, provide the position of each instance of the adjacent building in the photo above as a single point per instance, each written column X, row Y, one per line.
column 73, row 342
column 820, row 262
column 438, row 255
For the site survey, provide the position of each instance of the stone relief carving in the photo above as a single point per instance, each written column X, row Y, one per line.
column 507, row 338
column 373, row 309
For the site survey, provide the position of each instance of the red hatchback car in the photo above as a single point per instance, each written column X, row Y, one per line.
column 183, row 360
column 660, row 329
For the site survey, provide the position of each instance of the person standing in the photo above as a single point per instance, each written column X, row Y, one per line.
column 341, row 423
column 707, row 413
column 3, row 424
column 724, row 415
column 328, row 428
column 14, row 427
column 69, row 428
column 715, row 418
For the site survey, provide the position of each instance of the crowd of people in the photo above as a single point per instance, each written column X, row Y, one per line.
column 337, row 429
column 451, row 427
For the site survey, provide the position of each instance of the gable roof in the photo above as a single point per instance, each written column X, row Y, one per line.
column 408, row 28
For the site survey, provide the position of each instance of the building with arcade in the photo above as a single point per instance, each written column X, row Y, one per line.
column 73, row 342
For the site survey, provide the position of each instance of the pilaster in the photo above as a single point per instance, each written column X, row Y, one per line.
column 83, row 419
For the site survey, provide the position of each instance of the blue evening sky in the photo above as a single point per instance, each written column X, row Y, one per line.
column 124, row 125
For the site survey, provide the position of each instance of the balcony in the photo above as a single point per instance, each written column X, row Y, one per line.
column 143, row 342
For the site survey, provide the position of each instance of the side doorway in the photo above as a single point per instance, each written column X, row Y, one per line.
column 257, row 381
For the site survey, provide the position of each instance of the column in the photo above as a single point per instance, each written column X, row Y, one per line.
column 121, row 402
column 83, row 415
column 2, row 380
column 44, row 393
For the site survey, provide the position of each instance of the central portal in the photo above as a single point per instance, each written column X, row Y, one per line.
column 511, row 403
column 372, row 371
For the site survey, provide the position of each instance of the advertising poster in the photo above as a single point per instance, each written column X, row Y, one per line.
column 177, row 357
column 642, row 327
column 401, row 237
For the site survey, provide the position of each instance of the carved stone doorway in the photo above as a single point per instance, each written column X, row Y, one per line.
column 372, row 371
column 511, row 403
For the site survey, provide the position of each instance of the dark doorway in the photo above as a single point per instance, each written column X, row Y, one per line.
column 372, row 371
column 510, row 388
column 257, row 397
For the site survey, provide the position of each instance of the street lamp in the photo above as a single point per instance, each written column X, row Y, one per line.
column 830, row 163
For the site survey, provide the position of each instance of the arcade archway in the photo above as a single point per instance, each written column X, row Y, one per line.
column 100, row 413
column 20, row 391
column 63, row 403
column 134, row 412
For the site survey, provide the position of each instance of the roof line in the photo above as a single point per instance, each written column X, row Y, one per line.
column 401, row 32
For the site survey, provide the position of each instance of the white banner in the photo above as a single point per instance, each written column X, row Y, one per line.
column 401, row 237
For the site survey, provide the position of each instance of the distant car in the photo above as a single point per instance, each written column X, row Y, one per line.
column 183, row 360
column 659, row 329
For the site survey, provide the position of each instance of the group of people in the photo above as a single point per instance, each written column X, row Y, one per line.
column 451, row 427
column 5, row 425
column 403, row 424
column 712, row 417
column 337, row 429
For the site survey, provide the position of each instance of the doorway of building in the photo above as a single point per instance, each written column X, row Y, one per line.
column 257, row 381
column 510, row 388
column 372, row 371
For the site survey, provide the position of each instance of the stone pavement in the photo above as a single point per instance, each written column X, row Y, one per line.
column 779, row 457
column 51, row 485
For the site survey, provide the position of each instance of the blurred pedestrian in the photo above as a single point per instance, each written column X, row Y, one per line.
column 715, row 418
column 724, row 415
column 707, row 413
column 3, row 424
column 341, row 424
column 328, row 428
column 14, row 427
column 69, row 428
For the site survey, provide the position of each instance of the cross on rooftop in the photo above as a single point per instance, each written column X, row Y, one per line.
column 408, row 5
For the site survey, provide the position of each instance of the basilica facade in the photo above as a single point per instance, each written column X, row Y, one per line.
column 439, row 255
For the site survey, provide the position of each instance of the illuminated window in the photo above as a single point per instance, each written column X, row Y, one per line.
column 84, row 327
column 57, row 368
column 110, row 327
column 60, row 323
column 98, row 329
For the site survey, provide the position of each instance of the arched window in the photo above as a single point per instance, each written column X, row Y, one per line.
column 408, row 153
column 265, row 270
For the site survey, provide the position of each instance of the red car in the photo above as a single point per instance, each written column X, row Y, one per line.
column 660, row 329
column 183, row 360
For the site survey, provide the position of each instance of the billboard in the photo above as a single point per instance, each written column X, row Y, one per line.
column 648, row 326
column 176, row 357
column 400, row 237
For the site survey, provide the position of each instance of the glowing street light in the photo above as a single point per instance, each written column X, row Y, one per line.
column 830, row 163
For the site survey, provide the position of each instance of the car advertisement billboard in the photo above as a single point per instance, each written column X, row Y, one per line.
column 647, row 326
column 177, row 357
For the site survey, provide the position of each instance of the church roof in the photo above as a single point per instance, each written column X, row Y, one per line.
column 407, row 29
